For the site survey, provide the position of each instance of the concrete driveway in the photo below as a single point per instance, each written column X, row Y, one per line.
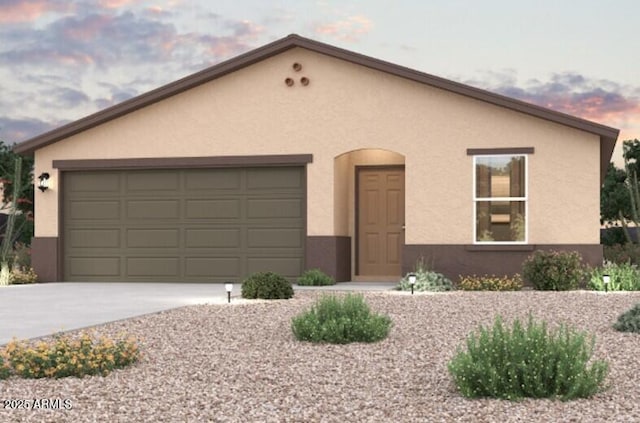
column 31, row 311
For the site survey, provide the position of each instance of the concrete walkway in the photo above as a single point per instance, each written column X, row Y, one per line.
column 31, row 311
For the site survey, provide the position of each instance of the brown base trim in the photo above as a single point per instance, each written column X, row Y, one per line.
column 455, row 260
column 44, row 258
column 331, row 254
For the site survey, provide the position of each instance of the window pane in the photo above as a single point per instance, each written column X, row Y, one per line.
column 500, row 177
column 500, row 221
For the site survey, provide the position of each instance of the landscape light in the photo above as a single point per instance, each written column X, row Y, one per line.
column 606, row 279
column 228, row 287
column 412, row 281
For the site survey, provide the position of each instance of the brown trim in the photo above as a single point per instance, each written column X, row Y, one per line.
column 331, row 254
column 608, row 135
column 454, row 260
column 45, row 258
column 184, row 162
column 515, row 150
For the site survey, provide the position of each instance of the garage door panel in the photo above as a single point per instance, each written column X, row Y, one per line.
column 274, row 208
column 153, row 266
column 153, row 209
column 192, row 225
column 221, row 179
column 95, row 182
column 80, row 267
column 153, row 238
column 286, row 266
column 213, row 267
column 213, row 209
column 94, row 238
column 94, row 210
column 271, row 179
column 275, row 238
column 213, row 238
column 146, row 181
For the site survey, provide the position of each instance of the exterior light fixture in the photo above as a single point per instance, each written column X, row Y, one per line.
column 228, row 287
column 412, row 281
column 43, row 181
column 606, row 279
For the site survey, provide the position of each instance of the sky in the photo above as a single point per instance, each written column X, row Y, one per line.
column 62, row 60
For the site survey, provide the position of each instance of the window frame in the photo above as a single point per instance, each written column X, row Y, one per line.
column 477, row 199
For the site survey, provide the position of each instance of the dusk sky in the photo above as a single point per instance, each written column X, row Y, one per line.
column 61, row 60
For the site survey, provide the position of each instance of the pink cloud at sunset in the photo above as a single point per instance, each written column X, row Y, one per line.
column 350, row 29
column 15, row 11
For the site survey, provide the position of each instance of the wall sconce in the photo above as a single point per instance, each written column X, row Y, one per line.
column 43, row 181
column 412, row 281
column 228, row 287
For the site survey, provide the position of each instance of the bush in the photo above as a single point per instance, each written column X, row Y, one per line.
column 338, row 320
column 426, row 280
column 554, row 270
column 5, row 370
column 490, row 283
column 623, row 277
column 315, row 277
column 622, row 253
column 65, row 356
column 21, row 276
column 629, row 321
column 527, row 362
column 612, row 236
column 267, row 286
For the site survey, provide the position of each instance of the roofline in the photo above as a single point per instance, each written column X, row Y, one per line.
column 608, row 135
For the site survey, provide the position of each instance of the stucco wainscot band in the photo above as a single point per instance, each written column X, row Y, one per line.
column 454, row 260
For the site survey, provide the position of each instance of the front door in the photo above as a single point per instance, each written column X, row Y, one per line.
column 380, row 221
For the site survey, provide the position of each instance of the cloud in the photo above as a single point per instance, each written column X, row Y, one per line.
column 569, row 92
column 18, row 11
column 349, row 29
column 16, row 130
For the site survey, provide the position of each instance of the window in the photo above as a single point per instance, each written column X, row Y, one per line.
column 500, row 199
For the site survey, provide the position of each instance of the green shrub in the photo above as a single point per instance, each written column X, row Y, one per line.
column 629, row 321
column 623, row 277
column 527, row 362
column 5, row 369
column 338, row 320
column 267, row 286
column 490, row 283
column 426, row 279
column 315, row 277
column 622, row 253
column 66, row 356
column 612, row 236
column 554, row 270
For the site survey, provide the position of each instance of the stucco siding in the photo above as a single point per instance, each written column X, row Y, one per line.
column 344, row 108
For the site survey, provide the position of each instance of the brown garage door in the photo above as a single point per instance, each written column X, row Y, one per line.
column 191, row 225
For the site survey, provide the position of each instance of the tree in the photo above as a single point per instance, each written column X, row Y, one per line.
column 614, row 196
column 18, row 207
column 24, row 196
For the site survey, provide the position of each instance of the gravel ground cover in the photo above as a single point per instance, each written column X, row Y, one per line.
column 240, row 362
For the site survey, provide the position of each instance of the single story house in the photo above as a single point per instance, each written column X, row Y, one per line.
column 301, row 155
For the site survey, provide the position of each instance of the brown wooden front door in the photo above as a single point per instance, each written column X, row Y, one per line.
column 380, row 221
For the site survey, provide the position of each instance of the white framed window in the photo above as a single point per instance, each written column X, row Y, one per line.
column 500, row 199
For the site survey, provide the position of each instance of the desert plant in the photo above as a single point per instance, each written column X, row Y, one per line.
column 267, row 286
column 623, row 277
column 629, row 321
column 21, row 276
column 527, row 361
column 340, row 320
column 66, row 356
column 315, row 277
column 426, row 279
column 490, row 283
column 5, row 370
column 622, row 253
column 554, row 270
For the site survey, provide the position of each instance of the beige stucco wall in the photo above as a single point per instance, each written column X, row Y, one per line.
column 346, row 108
